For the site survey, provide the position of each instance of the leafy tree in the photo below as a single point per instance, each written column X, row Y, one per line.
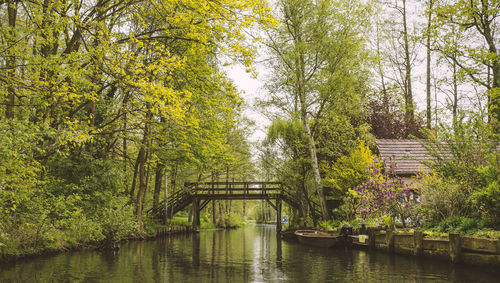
column 477, row 55
column 95, row 93
column 314, row 51
column 386, row 116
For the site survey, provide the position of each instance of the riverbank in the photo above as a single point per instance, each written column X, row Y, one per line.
column 452, row 247
column 456, row 248
column 97, row 245
column 250, row 254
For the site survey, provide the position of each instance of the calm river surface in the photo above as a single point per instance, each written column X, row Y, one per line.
column 250, row 254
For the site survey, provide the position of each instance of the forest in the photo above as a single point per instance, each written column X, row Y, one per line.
column 109, row 106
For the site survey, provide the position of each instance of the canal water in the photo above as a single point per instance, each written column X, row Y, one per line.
column 250, row 254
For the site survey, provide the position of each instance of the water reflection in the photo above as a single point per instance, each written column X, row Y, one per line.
column 252, row 254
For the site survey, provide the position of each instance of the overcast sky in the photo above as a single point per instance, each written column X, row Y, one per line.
column 250, row 89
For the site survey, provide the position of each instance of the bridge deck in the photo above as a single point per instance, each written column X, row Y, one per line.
column 235, row 190
column 201, row 193
column 253, row 196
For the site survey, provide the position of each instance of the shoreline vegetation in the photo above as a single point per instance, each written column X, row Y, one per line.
column 108, row 108
column 178, row 224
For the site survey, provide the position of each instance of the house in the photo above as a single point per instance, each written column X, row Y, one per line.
column 407, row 156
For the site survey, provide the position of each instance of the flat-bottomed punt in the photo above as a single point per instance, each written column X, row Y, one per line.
column 319, row 239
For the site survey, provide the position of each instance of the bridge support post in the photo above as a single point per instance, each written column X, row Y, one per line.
column 196, row 214
column 278, row 214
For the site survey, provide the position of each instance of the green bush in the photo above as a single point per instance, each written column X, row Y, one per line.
column 466, row 179
column 329, row 225
column 486, row 198
column 118, row 220
column 442, row 198
column 349, row 171
column 82, row 229
column 457, row 224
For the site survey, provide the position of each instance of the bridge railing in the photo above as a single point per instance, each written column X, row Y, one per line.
column 235, row 188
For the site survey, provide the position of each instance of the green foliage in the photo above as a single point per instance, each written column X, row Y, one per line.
column 235, row 220
column 179, row 221
column 442, row 198
column 456, row 23
column 117, row 220
column 77, row 114
column 329, row 225
column 290, row 132
column 313, row 52
column 457, row 224
column 349, row 171
column 486, row 197
column 351, row 202
column 466, row 164
column 487, row 233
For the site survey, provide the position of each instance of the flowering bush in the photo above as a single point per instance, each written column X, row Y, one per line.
column 442, row 198
column 385, row 194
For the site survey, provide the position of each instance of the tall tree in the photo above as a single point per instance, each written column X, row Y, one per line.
column 313, row 50
column 402, row 54
column 478, row 53
column 11, row 59
column 84, row 75
column 428, row 110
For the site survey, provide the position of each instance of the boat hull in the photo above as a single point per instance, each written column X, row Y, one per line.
column 318, row 239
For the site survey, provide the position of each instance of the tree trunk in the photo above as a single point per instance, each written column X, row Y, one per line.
column 409, row 107
column 428, row 74
column 494, row 97
column 134, row 178
column 11, row 61
column 214, row 219
column 190, row 215
column 142, row 185
column 142, row 167
column 455, row 96
column 301, row 94
column 385, row 97
column 158, row 184
column 489, row 36
column 315, row 168
column 125, row 149
column 166, row 195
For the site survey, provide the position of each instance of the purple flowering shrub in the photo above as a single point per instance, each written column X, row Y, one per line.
column 385, row 194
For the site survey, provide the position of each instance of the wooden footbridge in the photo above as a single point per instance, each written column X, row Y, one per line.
column 200, row 194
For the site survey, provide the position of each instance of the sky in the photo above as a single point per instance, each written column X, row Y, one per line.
column 251, row 88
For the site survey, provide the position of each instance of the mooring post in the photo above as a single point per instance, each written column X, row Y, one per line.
column 371, row 238
column 278, row 214
column 196, row 214
column 418, row 243
column 455, row 247
column 389, row 240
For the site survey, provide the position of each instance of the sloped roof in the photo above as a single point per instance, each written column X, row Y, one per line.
column 407, row 155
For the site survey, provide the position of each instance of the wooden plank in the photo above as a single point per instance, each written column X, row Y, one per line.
column 271, row 204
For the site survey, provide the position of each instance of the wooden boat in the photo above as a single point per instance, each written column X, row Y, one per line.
column 319, row 239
